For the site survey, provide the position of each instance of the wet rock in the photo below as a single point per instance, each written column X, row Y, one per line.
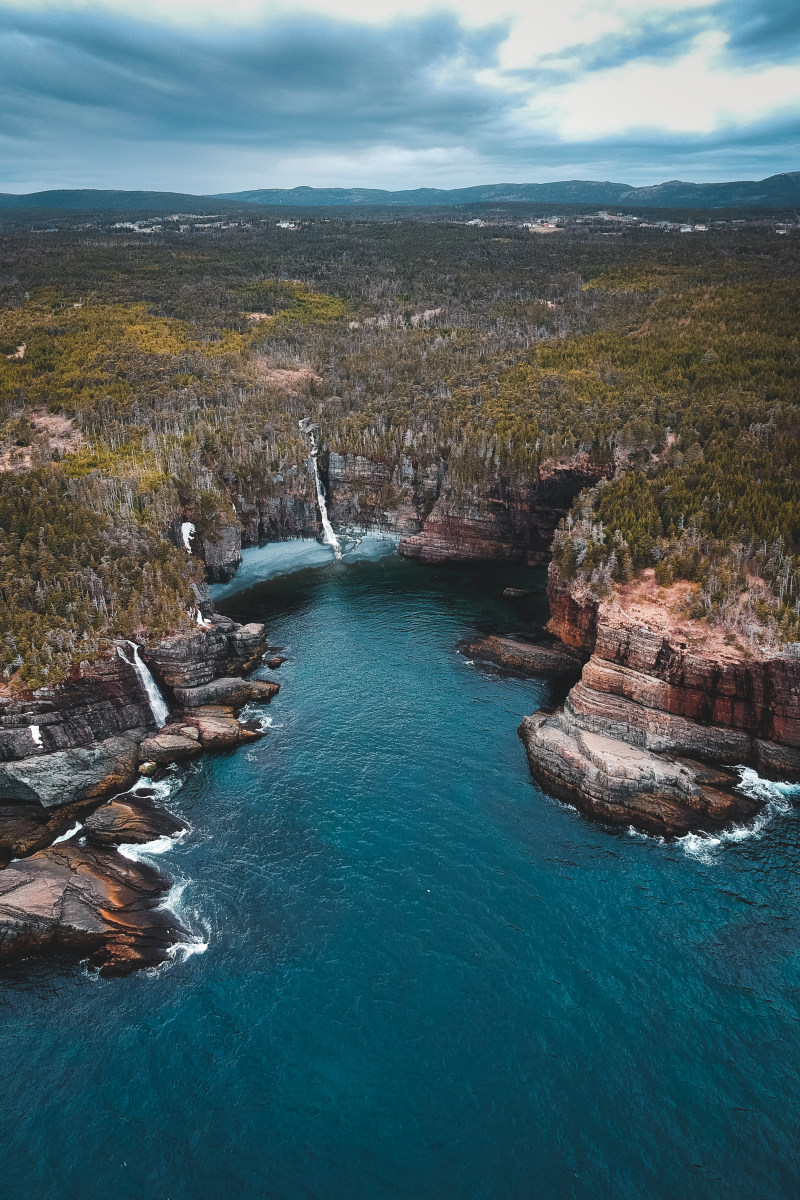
column 166, row 748
column 218, row 729
column 25, row 828
column 528, row 657
column 70, row 775
column 230, row 690
column 130, row 819
column 87, row 901
column 627, row 785
column 275, row 662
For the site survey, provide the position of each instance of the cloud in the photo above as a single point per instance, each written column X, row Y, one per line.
column 319, row 81
column 267, row 96
column 762, row 30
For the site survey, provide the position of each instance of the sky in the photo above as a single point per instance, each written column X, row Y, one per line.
column 206, row 96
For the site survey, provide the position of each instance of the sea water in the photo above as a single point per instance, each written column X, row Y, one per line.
column 421, row 977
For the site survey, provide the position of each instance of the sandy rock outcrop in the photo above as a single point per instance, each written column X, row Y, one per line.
column 89, row 901
column 623, row 784
column 658, row 690
column 531, row 658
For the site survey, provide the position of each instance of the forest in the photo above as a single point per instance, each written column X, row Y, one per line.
column 143, row 379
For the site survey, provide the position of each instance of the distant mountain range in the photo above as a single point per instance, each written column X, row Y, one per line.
column 778, row 191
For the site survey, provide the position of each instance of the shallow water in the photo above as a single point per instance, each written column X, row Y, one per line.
column 422, row 977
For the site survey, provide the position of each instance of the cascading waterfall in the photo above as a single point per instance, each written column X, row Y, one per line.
column 158, row 705
column 328, row 535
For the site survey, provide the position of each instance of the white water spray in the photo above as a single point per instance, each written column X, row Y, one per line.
column 328, row 535
column 158, row 705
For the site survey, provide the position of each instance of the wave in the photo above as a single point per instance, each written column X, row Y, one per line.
column 255, row 713
column 141, row 851
column 777, row 797
column 191, row 919
column 705, row 847
column 76, row 828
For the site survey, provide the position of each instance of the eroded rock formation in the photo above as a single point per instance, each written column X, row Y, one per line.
column 530, row 658
column 63, row 885
column 498, row 521
column 87, row 899
column 660, row 698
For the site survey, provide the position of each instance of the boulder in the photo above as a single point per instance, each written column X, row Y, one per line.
column 218, row 729
column 229, row 690
column 88, row 901
column 70, row 775
column 132, row 818
column 165, row 748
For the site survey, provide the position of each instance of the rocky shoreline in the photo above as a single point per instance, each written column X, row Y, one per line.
column 66, row 756
column 658, row 714
column 661, row 712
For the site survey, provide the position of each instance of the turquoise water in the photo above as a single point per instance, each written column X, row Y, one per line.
column 422, row 978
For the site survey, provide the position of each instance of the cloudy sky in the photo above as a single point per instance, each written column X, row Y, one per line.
column 220, row 95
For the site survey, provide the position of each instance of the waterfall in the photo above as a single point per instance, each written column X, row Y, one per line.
column 158, row 705
column 328, row 535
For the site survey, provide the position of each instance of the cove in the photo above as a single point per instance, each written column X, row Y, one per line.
column 423, row 977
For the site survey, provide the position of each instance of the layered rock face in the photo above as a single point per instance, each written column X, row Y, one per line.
column 498, row 521
column 100, row 700
column 367, row 494
column 82, row 897
column 529, row 658
column 81, row 740
column 63, row 884
column 222, row 648
column 494, row 521
column 573, row 613
column 657, row 688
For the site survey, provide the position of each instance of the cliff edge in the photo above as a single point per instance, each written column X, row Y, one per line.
column 664, row 706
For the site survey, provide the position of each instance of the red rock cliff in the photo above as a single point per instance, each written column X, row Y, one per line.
column 659, row 687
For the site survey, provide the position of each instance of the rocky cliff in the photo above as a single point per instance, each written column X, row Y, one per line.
column 660, row 698
column 438, row 521
column 63, row 885
column 500, row 521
